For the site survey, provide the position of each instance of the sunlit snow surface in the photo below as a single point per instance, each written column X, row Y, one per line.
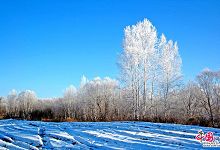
column 16, row 134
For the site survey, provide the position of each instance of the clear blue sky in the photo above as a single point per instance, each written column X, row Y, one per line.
column 47, row 45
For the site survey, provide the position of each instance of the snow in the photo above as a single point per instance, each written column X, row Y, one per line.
column 20, row 135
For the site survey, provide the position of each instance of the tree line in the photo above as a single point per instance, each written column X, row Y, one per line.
column 150, row 88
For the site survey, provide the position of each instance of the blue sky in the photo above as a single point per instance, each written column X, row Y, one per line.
column 47, row 45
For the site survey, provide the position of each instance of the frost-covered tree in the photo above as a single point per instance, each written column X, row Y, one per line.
column 170, row 65
column 69, row 101
column 98, row 97
column 12, row 103
column 187, row 105
column 138, row 61
column 209, row 84
column 26, row 100
column 147, row 63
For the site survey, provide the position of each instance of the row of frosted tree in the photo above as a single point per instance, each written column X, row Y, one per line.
column 149, row 88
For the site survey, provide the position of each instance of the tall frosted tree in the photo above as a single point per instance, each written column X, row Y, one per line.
column 170, row 63
column 145, row 62
column 137, row 61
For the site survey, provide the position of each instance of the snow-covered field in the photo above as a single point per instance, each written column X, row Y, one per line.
column 15, row 134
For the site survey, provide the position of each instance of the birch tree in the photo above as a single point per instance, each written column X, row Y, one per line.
column 137, row 61
column 170, row 62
